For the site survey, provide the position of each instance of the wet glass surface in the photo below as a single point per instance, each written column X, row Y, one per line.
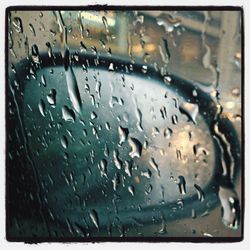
column 123, row 124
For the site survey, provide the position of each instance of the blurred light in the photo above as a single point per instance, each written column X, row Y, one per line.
column 213, row 93
column 237, row 55
column 183, row 139
column 137, row 179
column 148, row 47
column 230, row 105
column 97, row 18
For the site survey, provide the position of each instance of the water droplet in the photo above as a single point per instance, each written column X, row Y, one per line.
column 190, row 109
column 155, row 131
column 79, row 230
column 207, row 234
column 52, row 32
column 94, row 132
column 116, row 181
column 180, row 203
column 98, row 89
column 174, row 119
column 111, row 67
column 235, row 92
column 194, row 92
column 43, row 80
column 102, row 43
column 31, row 27
column 106, row 150
column 200, row 193
column 74, row 94
column 64, row 142
column 32, row 73
column 178, row 154
column 131, row 190
column 40, row 14
column 105, row 22
column 94, row 50
column 207, row 59
column 193, row 213
column 154, row 165
column 125, row 116
column 114, row 100
column 136, row 147
column 66, row 156
column 17, row 23
column 138, row 18
column 109, row 51
column 35, row 54
column 168, row 22
column 182, row 185
column 117, row 161
column 176, row 102
column 83, row 48
column 163, row 112
column 68, row 114
column 167, row 133
column 146, row 174
column 138, row 115
column 123, row 134
column 41, row 107
column 13, row 68
column 93, row 115
column 164, row 52
column 51, row 97
column 144, row 69
column 148, row 189
column 145, row 144
column 103, row 167
column 84, row 132
column 163, row 229
column 49, row 49
column 107, row 125
column 128, row 168
column 199, row 150
column 167, row 79
column 230, row 207
column 94, row 217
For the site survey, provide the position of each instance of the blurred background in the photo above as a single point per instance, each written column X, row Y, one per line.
column 204, row 46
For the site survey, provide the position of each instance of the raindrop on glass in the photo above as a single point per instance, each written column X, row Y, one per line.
column 136, row 147
column 41, row 107
column 68, row 114
column 64, row 142
column 51, row 97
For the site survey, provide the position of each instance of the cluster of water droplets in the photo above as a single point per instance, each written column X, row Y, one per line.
column 117, row 147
